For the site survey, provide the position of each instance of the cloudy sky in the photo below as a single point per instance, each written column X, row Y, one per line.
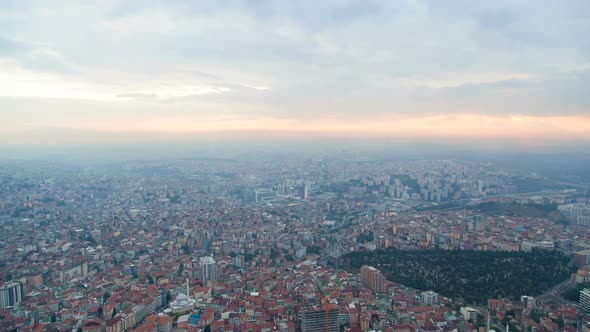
column 484, row 69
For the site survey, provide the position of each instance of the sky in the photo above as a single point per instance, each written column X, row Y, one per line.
column 123, row 70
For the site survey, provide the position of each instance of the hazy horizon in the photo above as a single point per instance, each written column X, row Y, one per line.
column 68, row 145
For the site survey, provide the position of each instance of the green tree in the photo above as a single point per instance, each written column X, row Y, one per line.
column 274, row 253
column 313, row 250
column 474, row 276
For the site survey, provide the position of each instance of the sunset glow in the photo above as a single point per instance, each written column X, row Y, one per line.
column 460, row 125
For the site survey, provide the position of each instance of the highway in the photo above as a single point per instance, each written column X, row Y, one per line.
column 554, row 294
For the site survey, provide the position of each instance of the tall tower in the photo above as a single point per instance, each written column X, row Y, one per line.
column 373, row 279
column 319, row 319
column 11, row 294
column 585, row 299
column 208, row 269
column 187, row 289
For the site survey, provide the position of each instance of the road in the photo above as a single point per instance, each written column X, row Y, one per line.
column 554, row 294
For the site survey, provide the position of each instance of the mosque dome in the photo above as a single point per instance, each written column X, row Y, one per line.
column 181, row 299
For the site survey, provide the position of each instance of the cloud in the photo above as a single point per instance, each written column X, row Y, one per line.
column 138, row 96
column 33, row 56
column 10, row 47
column 298, row 60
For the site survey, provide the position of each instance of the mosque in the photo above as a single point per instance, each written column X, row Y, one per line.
column 182, row 303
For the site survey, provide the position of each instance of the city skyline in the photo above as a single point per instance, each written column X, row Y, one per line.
column 409, row 69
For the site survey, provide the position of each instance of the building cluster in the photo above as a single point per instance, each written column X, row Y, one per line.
column 155, row 245
column 578, row 214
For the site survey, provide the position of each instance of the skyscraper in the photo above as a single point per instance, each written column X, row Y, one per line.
column 585, row 299
column 10, row 294
column 314, row 319
column 373, row 279
column 208, row 269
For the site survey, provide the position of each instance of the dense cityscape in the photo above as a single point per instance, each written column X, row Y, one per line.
column 227, row 245
column 294, row 166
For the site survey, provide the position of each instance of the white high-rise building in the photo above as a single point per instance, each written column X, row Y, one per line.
column 429, row 297
column 576, row 213
column 10, row 294
column 208, row 269
column 528, row 302
column 469, row 314
column 585, row 299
